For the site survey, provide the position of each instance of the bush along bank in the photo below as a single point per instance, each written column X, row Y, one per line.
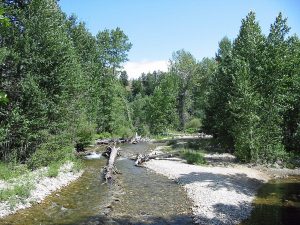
column 33, row 186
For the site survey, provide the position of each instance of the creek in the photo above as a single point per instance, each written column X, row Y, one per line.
column 139, row 196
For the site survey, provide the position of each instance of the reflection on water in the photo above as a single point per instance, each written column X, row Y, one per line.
column 277, row 203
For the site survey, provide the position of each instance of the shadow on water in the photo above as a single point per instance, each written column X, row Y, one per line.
column 129, row 220
column 277, row 203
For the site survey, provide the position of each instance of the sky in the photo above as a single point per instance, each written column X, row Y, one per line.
column 157, row 28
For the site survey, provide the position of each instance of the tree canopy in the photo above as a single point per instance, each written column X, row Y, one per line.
column 60, row 86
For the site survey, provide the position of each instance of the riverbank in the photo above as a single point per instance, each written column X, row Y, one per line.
column 34, row 186
column 221, row 193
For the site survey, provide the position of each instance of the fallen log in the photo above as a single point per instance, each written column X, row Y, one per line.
column 110, row 168
column 103, row 141
column 140, row 159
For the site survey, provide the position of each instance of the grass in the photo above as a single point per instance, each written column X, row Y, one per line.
column 53, row 169
column 193, row 157
column 22, row 191
column 10, row 170
column 18, row 176
column 78, row 165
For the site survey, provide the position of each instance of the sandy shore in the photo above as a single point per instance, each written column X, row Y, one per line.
column 42, row 187
column 220, row 194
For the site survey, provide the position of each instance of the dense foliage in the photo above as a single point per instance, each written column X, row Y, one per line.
column 60, row 85
column 247, row 96
column 254, row 93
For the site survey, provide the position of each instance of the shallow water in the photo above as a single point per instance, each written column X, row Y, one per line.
column 73, row 204
column 147, row 198
column 277, row 203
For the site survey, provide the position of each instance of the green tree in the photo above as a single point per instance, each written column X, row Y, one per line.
column 137, row 88
column 140, row 108
column 86, row 49
column 246, row 101
column 124, row 78
column 281, row 85
column 162, row 113
column 42, row 76
column 112, row 47
column 184, row 66
column 218, row 118
column 4, row 22
column 200, row 86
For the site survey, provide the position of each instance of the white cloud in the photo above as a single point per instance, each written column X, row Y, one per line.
column 135, row 69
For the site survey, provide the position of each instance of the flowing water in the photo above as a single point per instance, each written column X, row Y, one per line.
column 149, row 198
column 138, row 196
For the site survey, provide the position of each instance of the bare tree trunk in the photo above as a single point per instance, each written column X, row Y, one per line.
column 110, row 168
column 140, row 159
column 181, row 108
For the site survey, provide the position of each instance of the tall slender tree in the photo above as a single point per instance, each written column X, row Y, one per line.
column 218, row 118
column 184, row 66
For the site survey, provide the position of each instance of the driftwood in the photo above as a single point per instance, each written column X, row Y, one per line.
column 111, row 141
column 140, row 159
column 133, row 140
column 111, row 153
column 103, row 141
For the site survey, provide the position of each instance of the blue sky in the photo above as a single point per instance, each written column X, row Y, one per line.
column 156, row 28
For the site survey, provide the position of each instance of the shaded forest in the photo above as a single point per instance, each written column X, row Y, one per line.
column 60, row 86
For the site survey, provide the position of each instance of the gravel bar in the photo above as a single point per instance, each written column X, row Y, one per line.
column 220, row 195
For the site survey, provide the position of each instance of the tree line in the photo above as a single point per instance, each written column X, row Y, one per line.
column 247, row 96
column 60, row 86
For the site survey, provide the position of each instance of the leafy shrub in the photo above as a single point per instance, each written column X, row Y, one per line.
column 193, row 157
column 124, row 132
column 143, row 130
column 53, row 169
column 78, row 165
column 48, row 153
column 102, row 135
column 22, row 191
column 84, row 134
column 10, row 170
column 193, row 125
